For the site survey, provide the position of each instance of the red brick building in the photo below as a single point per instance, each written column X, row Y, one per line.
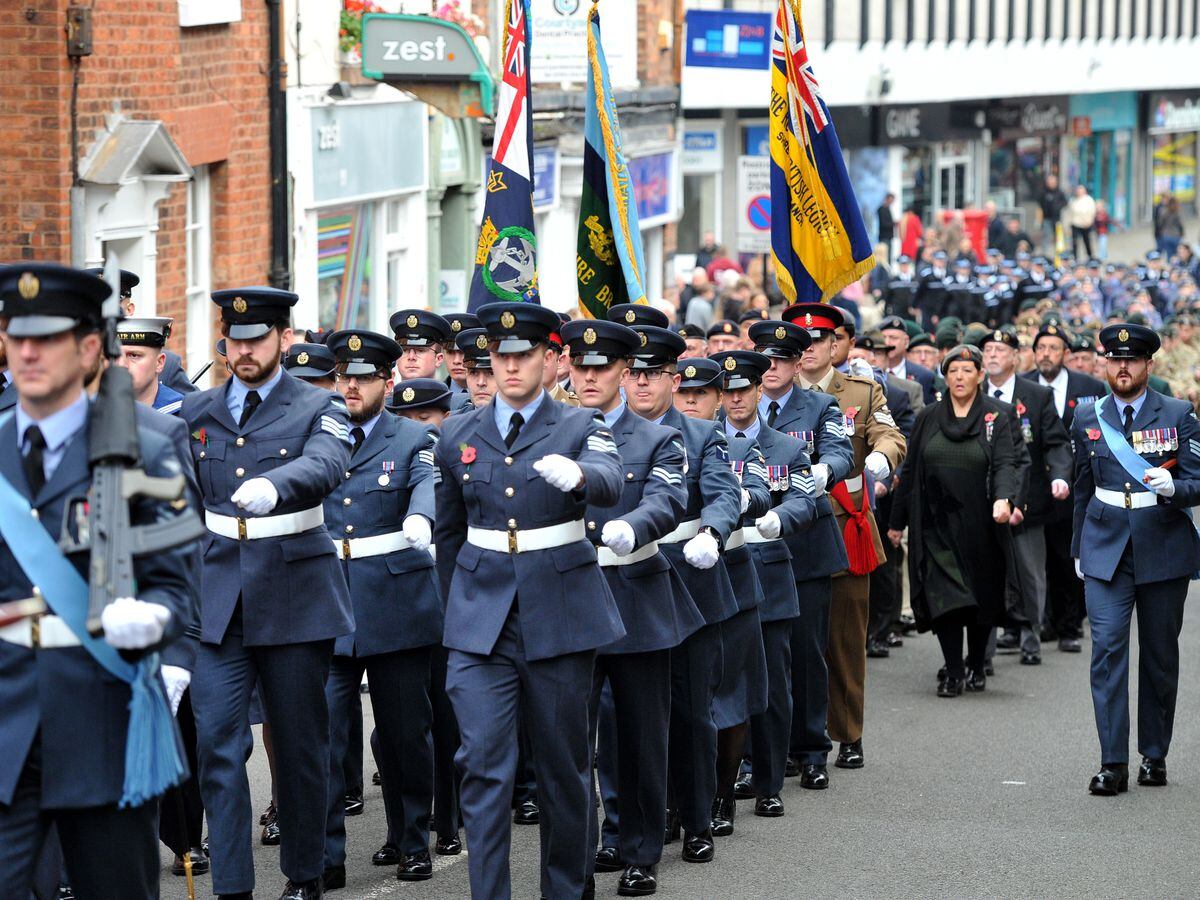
column 165, row 125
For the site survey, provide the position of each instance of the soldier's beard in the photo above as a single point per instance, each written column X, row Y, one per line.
column 368, row 410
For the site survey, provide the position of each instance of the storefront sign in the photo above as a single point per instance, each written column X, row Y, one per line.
column 404, row 46
column 559, row 48
column 652, row 188
column 1035, row 116
column 1108, row 111
column 452, row 290
column 756, row 140
column 1173, row 112
column 754, row 204
column 728, row 40
column 380, row 149
column 545, row 178
column 703, row 151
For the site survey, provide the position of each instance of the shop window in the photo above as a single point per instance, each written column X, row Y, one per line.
column 1174, row 167
column 344, row 266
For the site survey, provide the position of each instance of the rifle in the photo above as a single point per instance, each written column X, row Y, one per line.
column 118, row 478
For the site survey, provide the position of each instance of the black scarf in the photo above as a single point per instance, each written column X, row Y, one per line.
column 957, row 429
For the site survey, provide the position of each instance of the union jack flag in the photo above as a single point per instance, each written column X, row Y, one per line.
column 515, row 112
column 802, row 88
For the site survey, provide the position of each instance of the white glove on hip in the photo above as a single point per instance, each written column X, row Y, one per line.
column 559, row 472
column 745, row 500
column 417, row 531
column 131, row 624
column 176, row 681
column 618, row 537
column 821, row 473
column 257, row 496
column 1078, row 570
column 877, row 464
column 861, row 368
column 769, row 525
column 1160, row 481
column 702, row 551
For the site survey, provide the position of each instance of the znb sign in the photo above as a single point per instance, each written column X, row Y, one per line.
column 418, row 47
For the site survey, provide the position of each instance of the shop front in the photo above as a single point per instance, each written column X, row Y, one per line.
column 703, row 165
column 1172, row 126
column 1099, row 149
column 1027, row 139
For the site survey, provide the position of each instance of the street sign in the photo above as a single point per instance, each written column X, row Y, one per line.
column 754, row 204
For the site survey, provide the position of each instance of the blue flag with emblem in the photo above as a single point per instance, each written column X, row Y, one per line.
column 506, row 255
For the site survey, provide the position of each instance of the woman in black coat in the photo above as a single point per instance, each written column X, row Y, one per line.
column 955, row 493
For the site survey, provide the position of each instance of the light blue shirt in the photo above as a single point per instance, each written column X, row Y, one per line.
column 1136, row 404
column 367, row 426
column 57, row 428
column 235, row 399
column 764, row 402
column 610, row 417
column 504, row 412
column 750, row 431
column 659, row 420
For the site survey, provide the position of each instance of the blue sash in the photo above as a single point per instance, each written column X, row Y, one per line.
column 152, row 759
column 1130, row 461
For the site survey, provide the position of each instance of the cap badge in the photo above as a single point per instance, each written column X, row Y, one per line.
column 730, row 364
column 239, row 305
column 1051, row 330
column 29, row 286
column 507, row 319
column 689, row 372
column 645, row 340
column 728, row 328
column 998, row 336
column 1123, row 335
column 412, row 321
column 966, row 354
column 630, row 316
column 808, row 320
column 408, row 395
column 302, row 358
column 481, row 342
column 355, row 343
column 589, row 336
column 780, row 333
column 455, row 325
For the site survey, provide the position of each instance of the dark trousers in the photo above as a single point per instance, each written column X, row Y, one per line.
column 1064, row 590
column 108, row 852
column 525, row 783
column 399, row 684
column 352, row 762
column 810, row 673
column 446, row 818
column 1084, row 235
column 292, row 683
column 770, row 731
column 490, row 692
column 1110, row 606
column 949, row 631
column 633, row 746
column 696, row 666
column 181, row 815
column 886, row 594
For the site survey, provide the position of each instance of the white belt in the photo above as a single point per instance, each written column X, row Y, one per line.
column 608, row 558
column 854, row 484
column 737, row 539
column 433, row 551
column 357, row 548
column 52, row 633
column 685, row 531
column 1134, row 500
column 237, row 528
column 527, row 539
column 752, row 536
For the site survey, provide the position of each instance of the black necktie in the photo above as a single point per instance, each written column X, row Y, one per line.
column 35, row 471
column 1128, row 422
column 740, row 434
column 359, row 436
column 514, row 428
column 249, row 406
column 772, row 413
column 997, row 393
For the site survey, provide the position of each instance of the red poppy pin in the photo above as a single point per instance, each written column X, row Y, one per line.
column 1020, row 408
column 851, row 412
column 468, row 454
column 201, row 436
column 1093, row 434
column 989, row 417
column 1071, row 403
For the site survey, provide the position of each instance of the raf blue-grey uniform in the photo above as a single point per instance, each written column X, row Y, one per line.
column 272, row 606
column 458, row 322
column 523, row 627
column 1135, row 556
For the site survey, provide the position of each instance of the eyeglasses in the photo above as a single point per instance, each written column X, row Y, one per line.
column 342, row 377
column 650, row 374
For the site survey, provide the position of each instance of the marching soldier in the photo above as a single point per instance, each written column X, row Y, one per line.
column 422, row 335
column 1137, row 474
column 527, row 605
column 878, row 451
column 268, row 449
column 424, row 400
column 455, row 359
column 481, row 380
column 143, row 341
column 550, row 380
column 723, row 335
column 66, row 696
column 312, row 363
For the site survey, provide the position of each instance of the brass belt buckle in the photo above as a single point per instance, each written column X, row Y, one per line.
column 1128, row 500
column 241, row 529
column 512, row 540
column 345, row 548
column 35, row 622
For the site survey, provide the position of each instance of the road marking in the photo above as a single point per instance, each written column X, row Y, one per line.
column 1021, row 783
column 440, row 864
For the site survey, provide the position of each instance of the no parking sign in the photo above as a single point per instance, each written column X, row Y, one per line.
column 754, row 204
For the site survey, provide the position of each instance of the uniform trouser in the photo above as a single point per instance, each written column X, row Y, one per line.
column 1064, row 590
column 640, row 685
column 292, row 682
column 770, row 730
column 352, row 762
column 109, row 852
column 1029, row 582
column 606, row 768
column 1110, row 606
column 525, row 783
column 399, row 684
column 847, row 656
column 696, row 667
column 490, row 692
column 886, row 594
column 181, row 811
column 446, row 817
column 810, row 673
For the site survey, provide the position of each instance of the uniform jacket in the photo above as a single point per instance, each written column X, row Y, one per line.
column 814, row 417
column 897, row 398
column 173, row 375
column 292, row 439
column 715, row 498
column 564, row 599
column 562, row 395
column 931, row 296
column 1165, row 544
column 8, row 397
column 922, row 376
column 1049, row 446
column 1081, row 389
column 656, row 608
column 80, row 710
column 746, row 461
column 397, row 604
column 912, row 389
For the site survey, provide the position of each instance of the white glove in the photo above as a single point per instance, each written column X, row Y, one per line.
column 769, row 525
column 861, row 368
column 877, row 464
column 176, row 681
column 257, row 496
column 1160, row 481
column 1059, row 489
column 1078, row 570
column 618, row 537
column 131, row 624
column 559, row 471
column 417, row 532
column 745, row 500
column 821, row 473
column 702, row 551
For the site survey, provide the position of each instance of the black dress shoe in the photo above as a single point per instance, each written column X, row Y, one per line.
column 387, row 855
column 893, row 640
column 988, row 669
column 304, row 890
column 1152, row 772
column 448, row 846
column 977, row 680
column 376, row 780
column 941, row 675
column 526, row 813
column 791, row 768
column 743, row 788
column 354, row 803
column 673, row 827
column 66, row 892
column 1008, row 640
column 1070, row 645
column 268, row 814
column 1112, row 779
column 768, row 807
column 270, row 832
column 417, row 867
column 950, row 687
column 698, row 848
column 200, row 863
column 876, row 650
column 907, row 624
column 815, row 777
column 204, row 846
column 1031, row 659
column 608, row 859
column 850, row 756
column 723, row 809
column 244, row 895
column 334, row 878
column 1047, row 634
column 637, row 881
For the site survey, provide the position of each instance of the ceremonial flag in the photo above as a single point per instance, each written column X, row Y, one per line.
column 609, row 264
column 506, row 256
column 818, row 238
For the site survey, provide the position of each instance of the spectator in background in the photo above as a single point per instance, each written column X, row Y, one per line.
column 966, row 251
column 1012, row 239
column 699, row 310
column 1188, row 261
column 1170, row 229
column 1104, row 224
column 721, row 263
column 1050, row 209
column 1160, row 210
column 698, row 283
column 910, row 233
column 708, row 249
column 1081, row 216
column 995, row 224
column 887, row 224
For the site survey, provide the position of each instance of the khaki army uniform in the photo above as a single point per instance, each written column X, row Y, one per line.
column 562, row 395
